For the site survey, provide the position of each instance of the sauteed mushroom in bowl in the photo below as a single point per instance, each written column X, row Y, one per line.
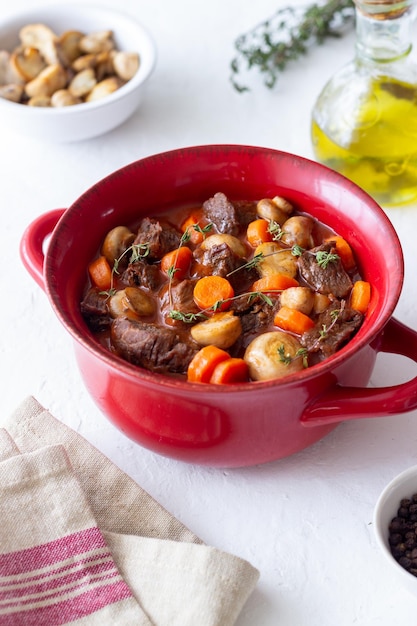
column 73, row 71
column 223, row 303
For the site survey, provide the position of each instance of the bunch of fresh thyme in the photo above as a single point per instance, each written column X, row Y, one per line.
column 286, row 36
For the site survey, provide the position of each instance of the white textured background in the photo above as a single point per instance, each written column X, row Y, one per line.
column 305, row 522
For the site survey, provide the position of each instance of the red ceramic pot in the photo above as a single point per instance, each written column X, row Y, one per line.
column 245, row 424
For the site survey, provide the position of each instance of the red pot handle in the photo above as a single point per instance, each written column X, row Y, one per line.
column 33, row 241
column 348, row 403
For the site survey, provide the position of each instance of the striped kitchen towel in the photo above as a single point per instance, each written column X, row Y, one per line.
column 82, row 543
column 58, row 567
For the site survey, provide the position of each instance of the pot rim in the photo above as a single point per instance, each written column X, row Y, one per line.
column 366, row 334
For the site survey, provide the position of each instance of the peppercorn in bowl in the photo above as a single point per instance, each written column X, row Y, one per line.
column 71, row 72
column 395, row 527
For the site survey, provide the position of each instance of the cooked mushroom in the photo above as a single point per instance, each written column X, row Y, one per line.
column 104, row 88
column 116, row 242
column 82, row 83
column 273, row 355
column 97, row 42
column 49, row 80
column 8, row 75
column 69, row 45
column 233, row 242
column 39, row 101
column 11, row 92
column 275, row 260
column 221, row 330
column 126, row 64
column 43, row 38
column 104, row 65
column 141, row 303
column 275, row 209
column 27, row 63
column 298, row 230
column 299, row 298
column 64, row 98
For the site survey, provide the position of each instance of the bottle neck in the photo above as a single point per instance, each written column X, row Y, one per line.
column 383, row 30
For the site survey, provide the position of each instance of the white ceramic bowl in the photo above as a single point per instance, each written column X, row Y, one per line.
column 81, row 121
column 402, row 486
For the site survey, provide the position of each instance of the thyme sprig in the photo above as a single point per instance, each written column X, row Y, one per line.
column 191, row 318
column 287, row 359
column 286, row 36
column 323, row 258
column 303, row 353
column 185, row 238
column 137, row 251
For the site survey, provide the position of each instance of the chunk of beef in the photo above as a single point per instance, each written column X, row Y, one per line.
column 142, row 274
column 179, row 298
column 159, row 237
column 245, row 211
column 333, row 329
column 221, row 212
column 255, row 313
column 155, row 348
column 94, row 310
column 220, row 260
column 330, row 278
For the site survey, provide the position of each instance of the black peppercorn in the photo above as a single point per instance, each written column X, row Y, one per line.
column 403, row 534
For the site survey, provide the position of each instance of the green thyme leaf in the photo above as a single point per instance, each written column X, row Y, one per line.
column 288, row 35
column 323, row 258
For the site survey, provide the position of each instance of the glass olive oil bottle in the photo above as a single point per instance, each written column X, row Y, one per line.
column 364, row 123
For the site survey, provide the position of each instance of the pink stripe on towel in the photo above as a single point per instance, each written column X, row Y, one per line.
column 59, row 581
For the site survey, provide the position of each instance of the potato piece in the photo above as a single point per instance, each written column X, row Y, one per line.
column 221, row 330
column 273, row 355
column 69, row 46
column 27, row 63
column 299, row 298
column 126, row 64
column 43, row 38
column 276, row 209
column 82, row 83
column 11, row 92
column 297, row 231
column 100, row 41
column 51, row 79
column 104, row 88
column 233, row 242
column 64, row 98
column 276, row 260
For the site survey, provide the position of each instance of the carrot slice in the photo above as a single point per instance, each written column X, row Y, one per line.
column 344, row 250
column 100, row 273
column 177, row 262
column 292, row 320
column 360, row 296
column 257, row 232
column 204, row 362
column 196, row 236
column 274, row 282
column 213, row 290
column 230, row 371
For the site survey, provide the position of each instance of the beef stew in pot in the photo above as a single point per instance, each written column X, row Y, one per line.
column 226, row 292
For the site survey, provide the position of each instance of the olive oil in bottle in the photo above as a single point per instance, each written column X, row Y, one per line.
column 364, row 123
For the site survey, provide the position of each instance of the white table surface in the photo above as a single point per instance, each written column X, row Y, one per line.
column 305, row 522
